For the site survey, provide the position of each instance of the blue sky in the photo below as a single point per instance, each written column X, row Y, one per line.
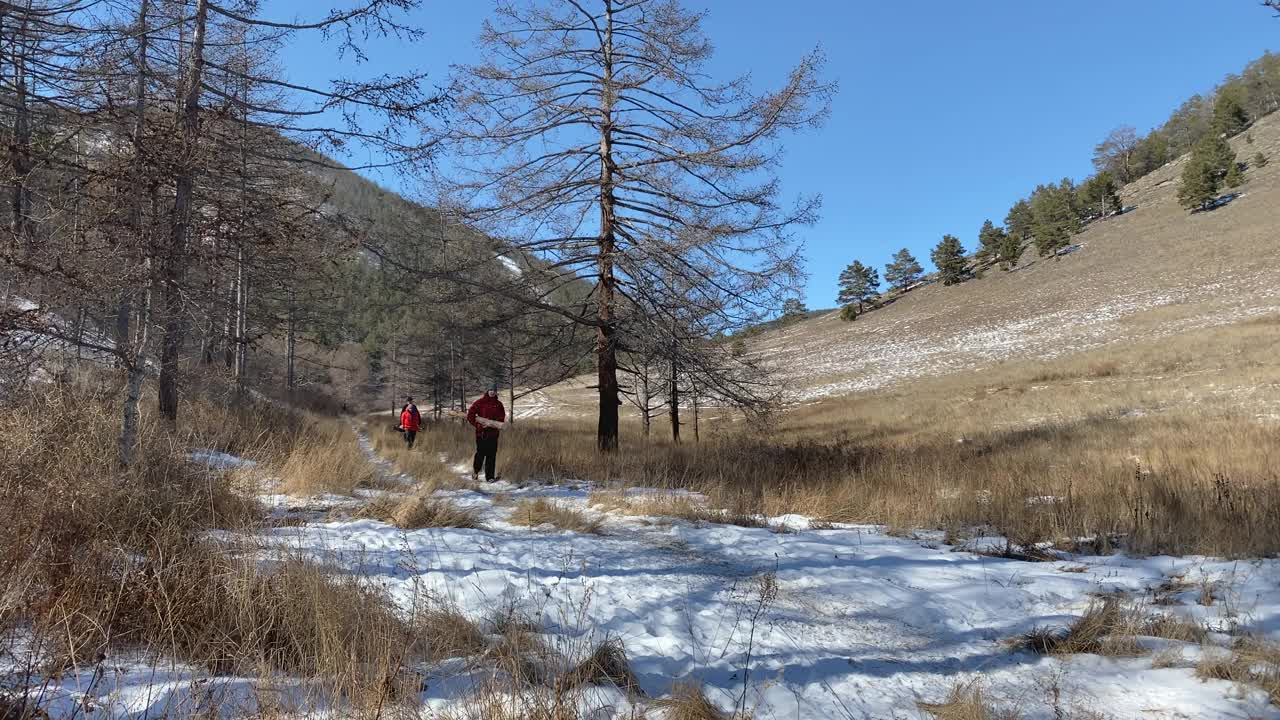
column 947, row 112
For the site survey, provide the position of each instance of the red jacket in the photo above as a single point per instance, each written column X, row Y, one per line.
column 410, row 419
column 489, row 408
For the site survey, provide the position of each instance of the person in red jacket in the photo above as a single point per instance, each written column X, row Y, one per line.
column 490, row 408
column 410, row 421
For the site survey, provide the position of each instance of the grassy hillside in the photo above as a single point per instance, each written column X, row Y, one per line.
column 1151, row 273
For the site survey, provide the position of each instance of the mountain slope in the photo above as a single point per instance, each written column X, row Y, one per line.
column 1147, row 274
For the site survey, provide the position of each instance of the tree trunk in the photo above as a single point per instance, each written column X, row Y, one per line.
column 674, row 398
column 133, row 350
column 176, row 260
column 646, row 415
column 133, row 385
column 291, row 344
column 80, row 320
column 511, row 391
column 693, row 389
column 242, row 316
column 606, row 342
column 20, row 147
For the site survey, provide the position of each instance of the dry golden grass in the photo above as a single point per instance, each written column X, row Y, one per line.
column 667, row 504
column 1251, row 662
column 449, row 634
column 1111, row 627
column 416, row 512
column 98, row 559
column 1118, row 451
column 967, row 701
column 423, row 463
column 540, row 511
column 327, row 459
column 606, row 666
column 687, row 701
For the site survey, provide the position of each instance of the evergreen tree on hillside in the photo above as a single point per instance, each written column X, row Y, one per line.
column 1199, row 184
column 1217, row 152
column 1234, row 177
column 1229, row 115
column 1210, row 163
column 1259, row 160
column 904, row 271
column 1055, row 216
column 1020, row 220
column 1010, row 251
column 793, row 308
column 989, row 239
column 948, row 256
column 1100, row 196
column 858, row 283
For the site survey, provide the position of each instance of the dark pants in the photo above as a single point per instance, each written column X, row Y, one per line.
column 409, row 437
column 486, row 455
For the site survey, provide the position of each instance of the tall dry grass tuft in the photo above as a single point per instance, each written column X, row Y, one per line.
column 687, row 701
column 606, row 666
column 1251, row 662
column 541, row 511
column 968, row 701
column 416, row 512
column 326, row 459
column 1112, row 627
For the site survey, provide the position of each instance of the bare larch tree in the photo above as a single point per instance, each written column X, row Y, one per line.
column 592, row 137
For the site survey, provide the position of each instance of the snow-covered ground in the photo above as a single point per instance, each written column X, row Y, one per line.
column 810, row 622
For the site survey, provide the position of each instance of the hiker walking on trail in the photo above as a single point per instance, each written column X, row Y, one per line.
column 487, row 416
column 410, row 422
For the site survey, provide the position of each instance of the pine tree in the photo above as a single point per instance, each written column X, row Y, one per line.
column 948, row 257
column 1010, row 251
column 858, row 283
column 793, row 307
column 904, row 271
column 1234, row 177
column 1055, row 216
column 989, row 239
column 1020, row 220
column 1229, row 115
column 1211, row 161
column 1100, row 196
column 1217, row 152
column 1199, row 184
column 1259, row 160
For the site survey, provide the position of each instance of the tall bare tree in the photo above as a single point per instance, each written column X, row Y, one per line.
column 593, row 138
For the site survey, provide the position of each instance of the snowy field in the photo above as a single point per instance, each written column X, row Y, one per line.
column 788, row 621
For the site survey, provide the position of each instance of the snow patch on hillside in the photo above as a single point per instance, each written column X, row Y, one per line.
column 882, row 348
column 510, row 265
